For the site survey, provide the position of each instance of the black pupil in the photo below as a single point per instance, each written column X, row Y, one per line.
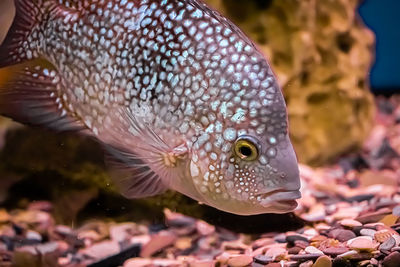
column 245, row 151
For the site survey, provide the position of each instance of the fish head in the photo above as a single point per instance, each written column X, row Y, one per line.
column 255, row 176
column 244, row 162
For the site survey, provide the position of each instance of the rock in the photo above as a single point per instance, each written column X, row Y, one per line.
column 323, row 261
column 396, row 211
column 158, row 241
column 117, row 259
column 276, row 253
column 4, row 216
column 342, row 235
column 392, row 260
column 202, row 263
column 102, row 249
column 313, row 250
column 204, row 228
column 240, row 261
column 362, row 243
column 183, row 243
column 334, row 251
column 382, row 235
column 122, row 232
column 262, row 259
column 373, row 216
column 388, row 244
column 43, row 255
column 137, row 262
column 292, row 238
column 304, row 257
column 350, row 223
column 367, row 232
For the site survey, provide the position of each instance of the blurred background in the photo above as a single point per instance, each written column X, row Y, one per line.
column 383, row 19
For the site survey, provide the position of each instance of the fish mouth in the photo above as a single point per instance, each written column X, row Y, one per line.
column 280, row 199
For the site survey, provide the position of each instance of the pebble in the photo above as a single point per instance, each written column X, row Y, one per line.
column 292, row 238
column 137, row 262
column 4, row 216
column 392, row 260
column 350, row 223
column 362, row 243
column 263, row 259
column 204, row 228
column 382, row 235
column 388, row 244
column 313, row 250
column 396, row 211
column 342, row 234
column 202, row 263
column 102, row 249
column 240, row 260
column 157, row 242
column 323, row 261
column 276, row 253
column 367, row 232
column 334, row 251
column 122, row 232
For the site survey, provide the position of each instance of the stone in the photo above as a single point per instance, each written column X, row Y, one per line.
column 292, row 238
column 158, row 241
column 388, row 244
column 313, row 250
column 342, row 234
column 382, row 235
column 392, row 260
column 334, row 251
column 183, row 243
column 240, row 260
column 350, row 223
column 276, row 253
column 4, row 216
column 202, row 263
column 204, row 228
column 263, row 259
column 102, row 249
column 137, row 262
column 362, row 243
column 367, row 232
column 323, row 261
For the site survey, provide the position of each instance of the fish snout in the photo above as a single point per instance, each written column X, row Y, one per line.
column 288, row 169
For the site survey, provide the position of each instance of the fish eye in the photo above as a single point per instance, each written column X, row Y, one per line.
column 246, row 149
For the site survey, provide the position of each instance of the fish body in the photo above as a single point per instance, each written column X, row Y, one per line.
column 181, row 98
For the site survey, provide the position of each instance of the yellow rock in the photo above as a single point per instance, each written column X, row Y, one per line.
column 323, row 261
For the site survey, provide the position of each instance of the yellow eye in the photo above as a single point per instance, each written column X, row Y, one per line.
column 246, row 150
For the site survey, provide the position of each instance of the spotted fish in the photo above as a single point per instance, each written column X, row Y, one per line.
column 177, row 93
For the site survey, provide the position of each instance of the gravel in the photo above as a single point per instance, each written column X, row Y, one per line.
column 351, row 214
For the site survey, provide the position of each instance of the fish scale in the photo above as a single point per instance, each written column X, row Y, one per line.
column 171, row 88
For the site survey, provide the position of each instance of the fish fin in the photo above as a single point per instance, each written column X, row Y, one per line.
column 25, row 38
column 132, row 175
column 16, row 46
column 31, row 96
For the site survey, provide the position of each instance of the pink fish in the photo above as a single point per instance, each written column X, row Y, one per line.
column 181, row 98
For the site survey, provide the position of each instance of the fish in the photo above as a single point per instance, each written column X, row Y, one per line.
column 178, row 95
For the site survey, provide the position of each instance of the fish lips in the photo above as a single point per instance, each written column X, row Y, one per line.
column 280, row 200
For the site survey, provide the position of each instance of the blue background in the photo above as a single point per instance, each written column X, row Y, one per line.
column 383, row 17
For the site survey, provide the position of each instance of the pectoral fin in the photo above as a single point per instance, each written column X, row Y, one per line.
column 132, row 175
